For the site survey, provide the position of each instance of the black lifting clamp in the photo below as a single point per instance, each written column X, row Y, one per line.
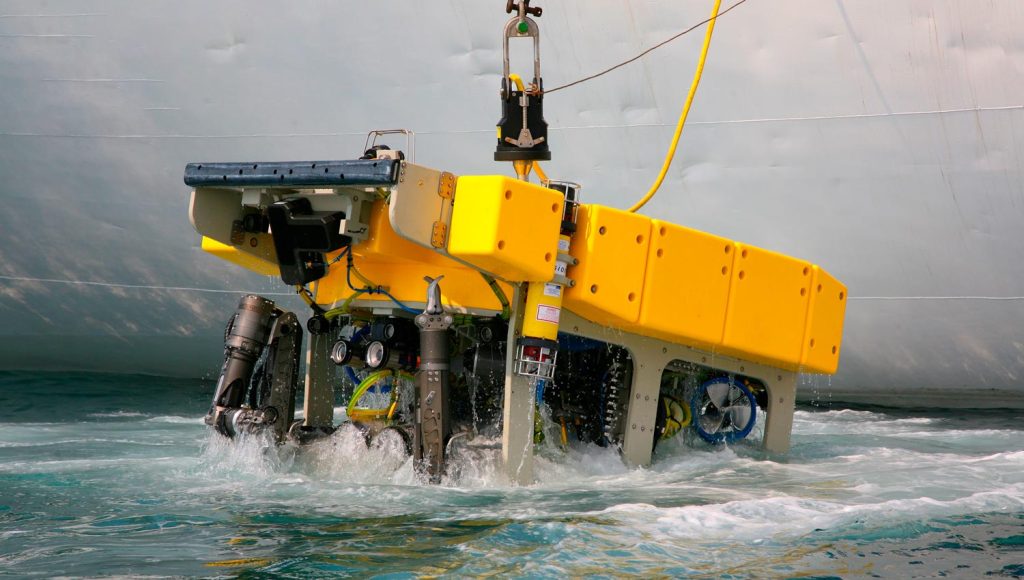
column 522, row 131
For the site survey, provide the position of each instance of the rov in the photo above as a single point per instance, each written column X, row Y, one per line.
column 627, row 329
column 450, row 298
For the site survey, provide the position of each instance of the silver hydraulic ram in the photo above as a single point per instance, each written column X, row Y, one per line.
column 257, row 382
column 433, row 417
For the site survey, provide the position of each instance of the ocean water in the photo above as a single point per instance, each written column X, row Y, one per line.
column 117, row 475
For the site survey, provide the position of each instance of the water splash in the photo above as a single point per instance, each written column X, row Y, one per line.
column 121, row 489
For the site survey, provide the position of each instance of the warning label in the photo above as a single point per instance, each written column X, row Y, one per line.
column 548, row 313
column 553, row 290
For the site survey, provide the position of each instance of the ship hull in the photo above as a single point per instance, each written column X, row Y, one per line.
column 884, row 142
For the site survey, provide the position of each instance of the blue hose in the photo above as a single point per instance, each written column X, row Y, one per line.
column 377, row 290
column 351, row 375
column 397, row 302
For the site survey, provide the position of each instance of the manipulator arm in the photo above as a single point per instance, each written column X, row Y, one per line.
column 261, row 362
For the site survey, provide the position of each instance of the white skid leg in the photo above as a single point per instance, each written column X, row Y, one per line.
column 517, row 413
column 638, row 438
column 781, row 402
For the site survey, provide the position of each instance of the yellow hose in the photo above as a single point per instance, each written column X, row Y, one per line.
column 362, row 414
column 540, row 172
column 343, row 309
column 518, row 81
column 682, row 116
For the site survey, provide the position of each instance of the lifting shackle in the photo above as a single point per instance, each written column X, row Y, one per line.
column 520, row 26
column 522, row 131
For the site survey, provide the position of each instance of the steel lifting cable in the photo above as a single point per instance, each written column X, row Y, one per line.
column 715, row 13
column 646, row 52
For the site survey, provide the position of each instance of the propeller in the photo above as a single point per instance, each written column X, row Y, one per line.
column 725, row 408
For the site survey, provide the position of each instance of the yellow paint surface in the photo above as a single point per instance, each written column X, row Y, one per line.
column 506, row 226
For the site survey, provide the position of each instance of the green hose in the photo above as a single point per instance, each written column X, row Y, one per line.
column 506, row 307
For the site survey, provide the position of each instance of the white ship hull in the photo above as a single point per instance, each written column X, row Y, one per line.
column 884, row 141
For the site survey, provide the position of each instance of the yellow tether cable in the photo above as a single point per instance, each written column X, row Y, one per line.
column 518, row 80
column 686, row 111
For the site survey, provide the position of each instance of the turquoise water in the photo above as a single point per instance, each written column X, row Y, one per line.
column 115, row 475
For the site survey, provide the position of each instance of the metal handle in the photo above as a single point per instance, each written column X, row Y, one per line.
column 532, row 30
column 410, row 140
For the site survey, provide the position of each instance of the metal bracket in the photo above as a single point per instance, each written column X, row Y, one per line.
column 439, row 235
column 446, row 185
column 237, row 233
column 564, row 281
